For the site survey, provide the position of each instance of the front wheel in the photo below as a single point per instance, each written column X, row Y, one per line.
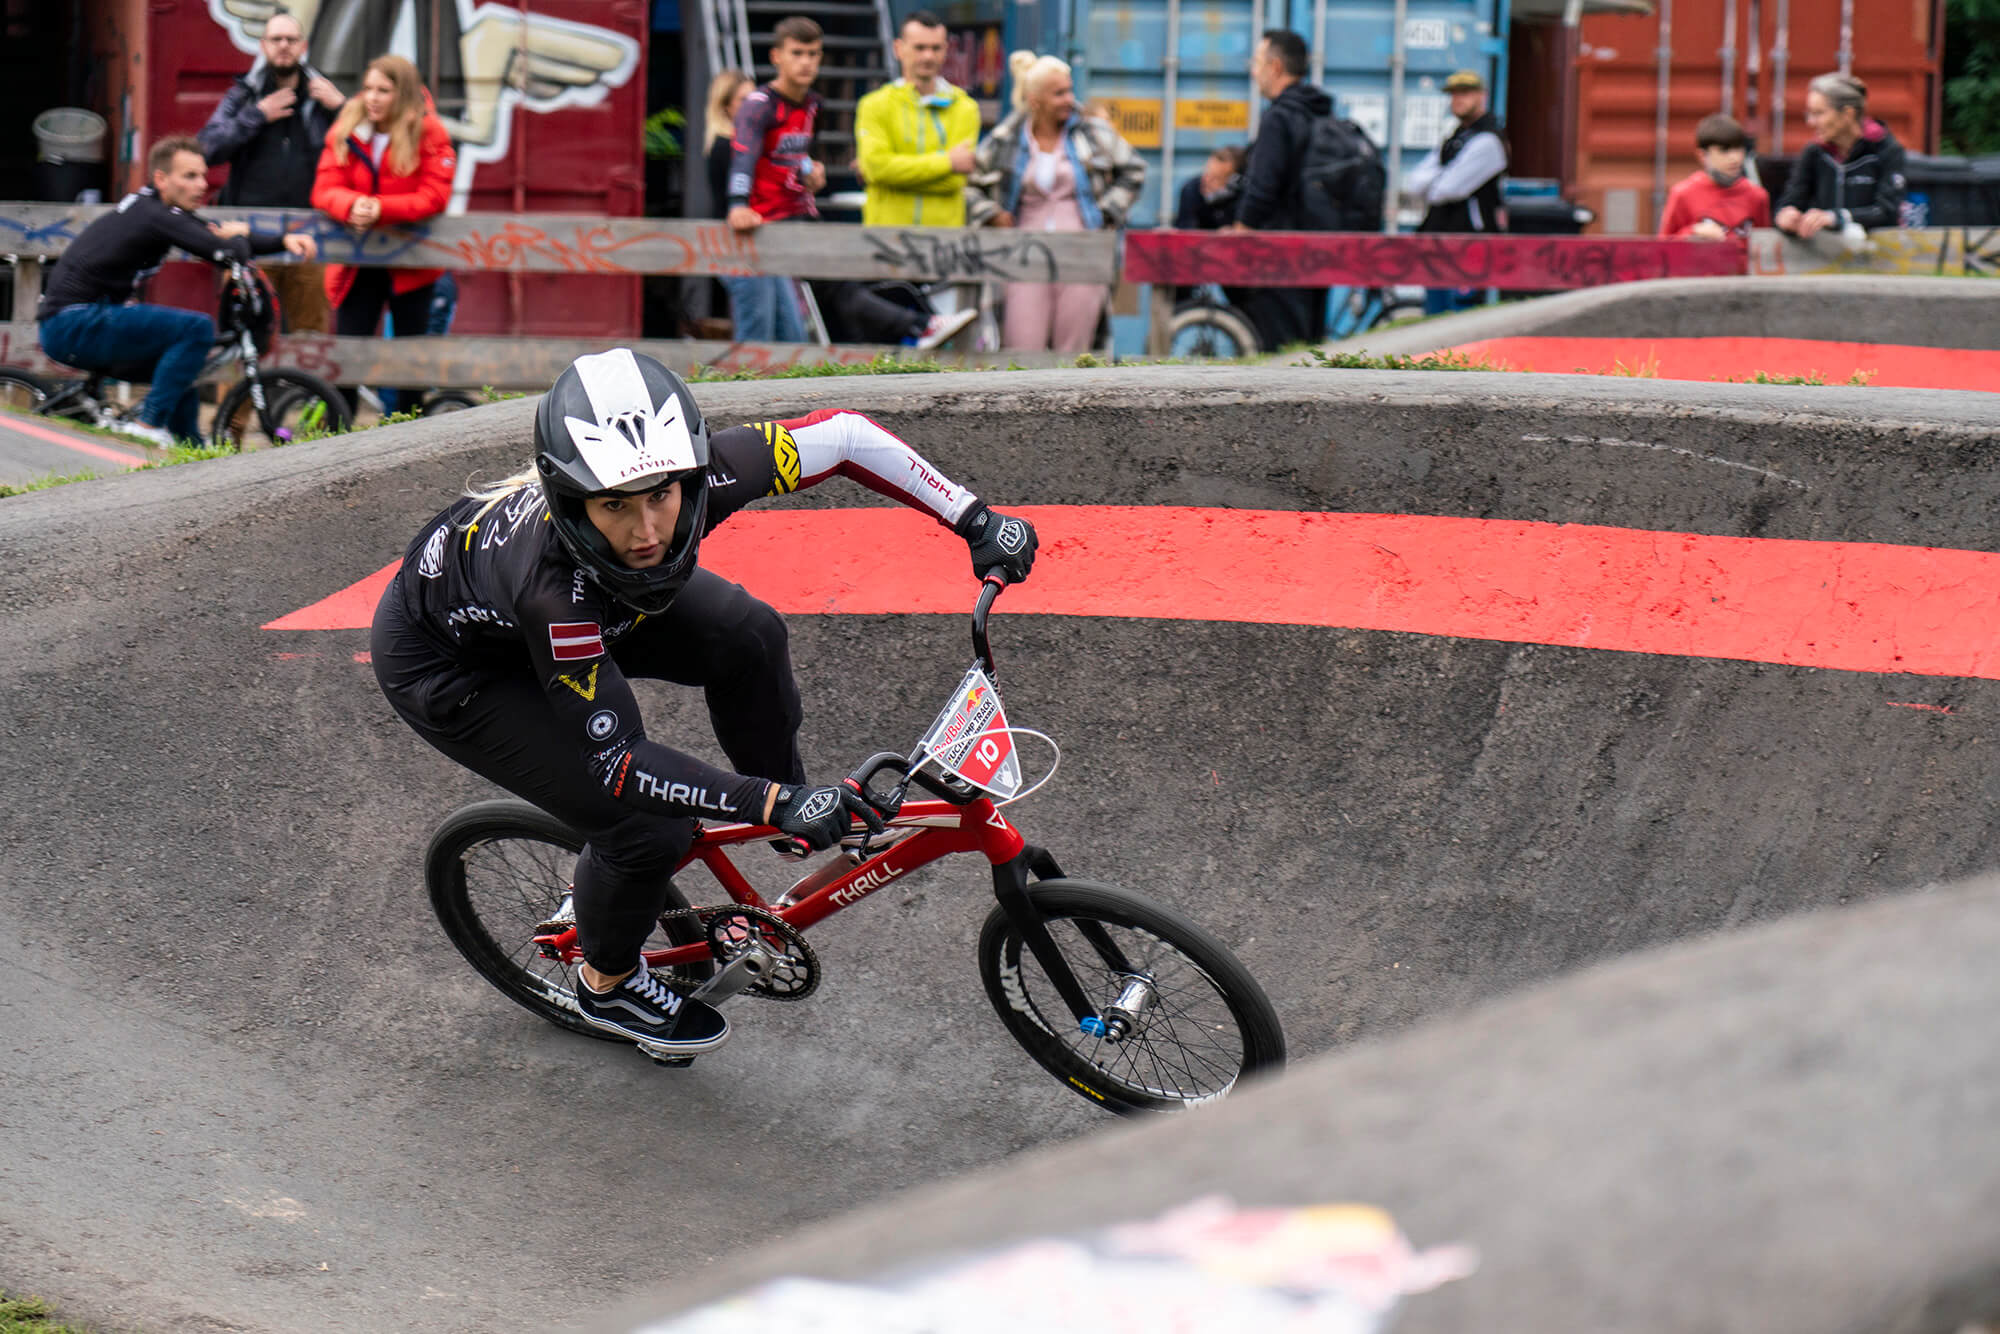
column 297, row 406
column 498, row 869
column 1195, row 1022
column 1205, row 331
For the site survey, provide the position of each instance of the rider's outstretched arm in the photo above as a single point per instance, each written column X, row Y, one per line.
column 775, row 458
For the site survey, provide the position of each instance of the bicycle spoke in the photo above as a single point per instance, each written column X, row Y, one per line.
column 1177, row 1049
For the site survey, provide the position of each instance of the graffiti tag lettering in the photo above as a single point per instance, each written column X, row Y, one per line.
column 1514, row 263
column 939, row 256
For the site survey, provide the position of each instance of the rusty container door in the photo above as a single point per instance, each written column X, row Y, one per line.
column 545, row 100
column 1645, row 81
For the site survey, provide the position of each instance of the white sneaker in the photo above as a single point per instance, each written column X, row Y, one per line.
column 942, row 327
column 157, row 436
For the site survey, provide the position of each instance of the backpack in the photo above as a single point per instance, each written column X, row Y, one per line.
column 1343, row 180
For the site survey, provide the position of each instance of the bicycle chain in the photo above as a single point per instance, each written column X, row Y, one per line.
column 797, row 953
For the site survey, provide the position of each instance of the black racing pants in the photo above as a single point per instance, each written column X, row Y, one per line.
column 501, row 727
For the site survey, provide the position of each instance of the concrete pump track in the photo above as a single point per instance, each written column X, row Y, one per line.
column 1608, row 676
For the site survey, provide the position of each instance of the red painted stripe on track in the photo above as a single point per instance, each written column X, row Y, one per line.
column 1734, row 358
column 1855, row 606
column 14, row 422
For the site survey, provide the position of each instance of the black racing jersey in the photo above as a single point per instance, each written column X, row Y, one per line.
column 490, row 586
column 117, row 253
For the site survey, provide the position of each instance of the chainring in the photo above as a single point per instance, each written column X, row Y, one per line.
column 729, row 928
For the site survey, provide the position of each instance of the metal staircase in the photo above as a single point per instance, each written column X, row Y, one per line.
column 857, row 61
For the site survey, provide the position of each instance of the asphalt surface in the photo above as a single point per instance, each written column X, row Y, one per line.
column 33, row 448
column 250, row 1086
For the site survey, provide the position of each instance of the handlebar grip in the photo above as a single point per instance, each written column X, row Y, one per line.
column 864, row 773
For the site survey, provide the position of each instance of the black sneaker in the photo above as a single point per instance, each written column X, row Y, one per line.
column 653, row 1015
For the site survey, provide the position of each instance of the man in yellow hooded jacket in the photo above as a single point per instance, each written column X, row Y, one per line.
column 914, row 137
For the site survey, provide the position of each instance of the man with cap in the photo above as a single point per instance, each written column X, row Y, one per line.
column 1459, row 182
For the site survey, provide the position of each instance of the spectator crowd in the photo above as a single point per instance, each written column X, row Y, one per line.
column 382, row 157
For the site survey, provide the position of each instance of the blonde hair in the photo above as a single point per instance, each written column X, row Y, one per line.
column 1030, row 69
column 493, row 492
column 406, row 115
column 720, row 89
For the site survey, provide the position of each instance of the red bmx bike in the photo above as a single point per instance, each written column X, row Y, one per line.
column 1121, row 998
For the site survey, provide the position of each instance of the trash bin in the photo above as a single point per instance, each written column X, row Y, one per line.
column 69, row 154
column 1951, row 191
column 1535, row 207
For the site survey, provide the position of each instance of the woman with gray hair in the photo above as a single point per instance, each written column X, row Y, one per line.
column 1046, row 168
column 1852, row 172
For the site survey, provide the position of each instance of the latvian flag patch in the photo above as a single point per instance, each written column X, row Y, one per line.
column 570, row 640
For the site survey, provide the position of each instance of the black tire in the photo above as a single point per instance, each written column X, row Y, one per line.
column 1204, row 330
column 1209, row 1027
column 301, row 406
column 21, row 391
column 495, row 870
column 448, row 400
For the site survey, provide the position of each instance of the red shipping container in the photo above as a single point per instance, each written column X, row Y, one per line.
column 546, row 99
column 1618, row 156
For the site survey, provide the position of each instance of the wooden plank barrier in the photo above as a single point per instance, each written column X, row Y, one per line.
column 556, row 243
column 473, row 362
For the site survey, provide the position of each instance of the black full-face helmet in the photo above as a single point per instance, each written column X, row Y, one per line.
column 617, row 423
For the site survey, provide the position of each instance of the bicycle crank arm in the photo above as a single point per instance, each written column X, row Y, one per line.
column 744, row 971
column 1010, row 886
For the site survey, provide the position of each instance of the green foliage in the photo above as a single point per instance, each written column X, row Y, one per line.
column 663, row 133
column 1810, row 377
column 501, row 395
column 29, row 1315
column 1430, row 361
column 887, row 363
column 1971, row 63
column 43, row 484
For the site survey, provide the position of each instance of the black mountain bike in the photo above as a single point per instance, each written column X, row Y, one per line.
column 267, row 406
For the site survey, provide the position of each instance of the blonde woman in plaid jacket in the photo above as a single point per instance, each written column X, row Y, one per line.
column 1046, row 168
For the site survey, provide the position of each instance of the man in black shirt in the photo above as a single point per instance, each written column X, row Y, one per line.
column 89, row 320
column 269, row 130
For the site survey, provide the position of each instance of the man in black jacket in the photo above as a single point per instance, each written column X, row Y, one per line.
column 1273, row 182
column 87, row 313
column 269, row 131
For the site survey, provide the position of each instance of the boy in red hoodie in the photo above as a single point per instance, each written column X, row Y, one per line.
column 1718, row 201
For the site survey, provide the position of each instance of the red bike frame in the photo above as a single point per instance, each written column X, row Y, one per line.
column 942, row 829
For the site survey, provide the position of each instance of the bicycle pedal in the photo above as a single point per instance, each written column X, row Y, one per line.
column 671, row 1061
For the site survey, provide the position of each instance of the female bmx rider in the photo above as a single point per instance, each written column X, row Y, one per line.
column 507, row 637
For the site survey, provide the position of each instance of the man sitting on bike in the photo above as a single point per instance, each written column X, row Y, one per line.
column 89, row 318
column 507, row 638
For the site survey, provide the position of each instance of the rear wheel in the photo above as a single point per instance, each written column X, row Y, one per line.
column 1195, row 1021
column 498, row 869
column 23, row 392
column 297, row 406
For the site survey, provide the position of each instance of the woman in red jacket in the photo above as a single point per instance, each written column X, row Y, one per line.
column 388, row 161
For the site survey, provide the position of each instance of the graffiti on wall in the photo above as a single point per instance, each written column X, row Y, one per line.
column 481, row 61
column 1515, row 263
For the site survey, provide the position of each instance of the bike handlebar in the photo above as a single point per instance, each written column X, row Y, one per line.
column 996, row 583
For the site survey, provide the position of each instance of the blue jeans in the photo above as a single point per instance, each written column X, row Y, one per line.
column 156, row 345
column 765, row 308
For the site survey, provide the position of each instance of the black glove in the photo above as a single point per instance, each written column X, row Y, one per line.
column 999, row 542
column 820, row 817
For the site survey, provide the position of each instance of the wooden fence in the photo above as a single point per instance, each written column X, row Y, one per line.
column 549, row 243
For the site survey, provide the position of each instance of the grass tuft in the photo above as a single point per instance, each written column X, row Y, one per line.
column 44, row 483
column 1446, row 360
column 30, row 1315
